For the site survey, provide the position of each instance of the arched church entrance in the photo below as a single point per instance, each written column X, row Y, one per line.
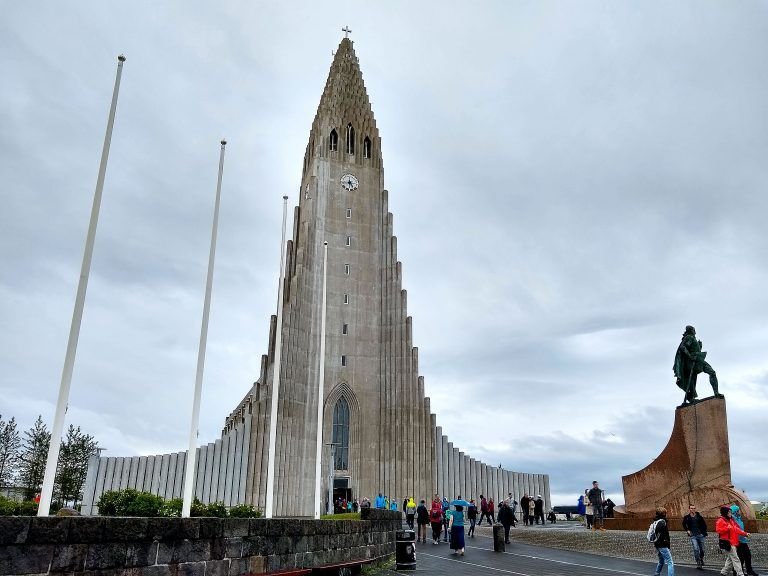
column 342, row 434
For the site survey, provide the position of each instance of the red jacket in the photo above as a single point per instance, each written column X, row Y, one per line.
column 727, row 529
column 437, row 508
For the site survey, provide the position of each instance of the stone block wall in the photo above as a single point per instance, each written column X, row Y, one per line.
column 100, row 546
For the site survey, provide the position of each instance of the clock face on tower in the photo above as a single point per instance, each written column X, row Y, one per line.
column 349, row 182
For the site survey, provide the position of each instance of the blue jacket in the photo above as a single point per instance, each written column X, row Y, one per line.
column 379, row 501
column 580, row 507
column 735, row 512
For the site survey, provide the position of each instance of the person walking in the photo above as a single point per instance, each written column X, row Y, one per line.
column 596, row 499
column 457, row 530
column 410, row 511
column 436, row 519
column 512, row 503
column 505, row 519
column 531, row 511
column 483, row 510
column 379, row 502
column 446, row 519
column 742, row 550
column 728, row 531
column 422, row 519
column 472, row 517
column 696, row 528
column 524, row 508
column 491, row 510
column 661, row 542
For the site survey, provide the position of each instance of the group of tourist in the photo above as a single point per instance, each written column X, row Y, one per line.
column 733, row 540
column 533, row 509
column 594, row 507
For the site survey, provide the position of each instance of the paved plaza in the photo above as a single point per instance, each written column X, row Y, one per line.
column 527, row 560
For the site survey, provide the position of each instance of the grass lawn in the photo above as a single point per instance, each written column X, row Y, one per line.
column 345, row 516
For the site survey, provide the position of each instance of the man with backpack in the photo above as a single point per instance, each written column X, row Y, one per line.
column 658, row 535
column 436, row 519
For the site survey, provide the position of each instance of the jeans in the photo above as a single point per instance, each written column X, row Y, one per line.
column 665, row 556
column 471, row 527
column 597, row 514
column 697, row 542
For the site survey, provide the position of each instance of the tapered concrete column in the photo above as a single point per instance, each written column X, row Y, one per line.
column 446, row 487
column 439, row 486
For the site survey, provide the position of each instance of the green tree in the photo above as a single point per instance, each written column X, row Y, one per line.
column 72, row 466
column 34, row 452
column 10, row 447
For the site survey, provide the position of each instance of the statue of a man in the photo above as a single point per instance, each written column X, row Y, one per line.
column 689, row 363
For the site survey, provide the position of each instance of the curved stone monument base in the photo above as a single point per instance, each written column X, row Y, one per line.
column 694, row 468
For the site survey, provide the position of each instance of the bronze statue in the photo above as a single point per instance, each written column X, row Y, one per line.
column 689, row 363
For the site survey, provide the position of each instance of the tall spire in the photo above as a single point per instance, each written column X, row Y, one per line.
column 344, row 101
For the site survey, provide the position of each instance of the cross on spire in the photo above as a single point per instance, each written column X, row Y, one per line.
column 346, row 31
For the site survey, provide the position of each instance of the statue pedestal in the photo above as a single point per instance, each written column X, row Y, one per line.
column 694, row 468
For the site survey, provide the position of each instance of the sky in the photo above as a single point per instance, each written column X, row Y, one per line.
column 571, row 183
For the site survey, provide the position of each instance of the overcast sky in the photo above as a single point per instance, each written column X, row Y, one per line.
column 572, row 183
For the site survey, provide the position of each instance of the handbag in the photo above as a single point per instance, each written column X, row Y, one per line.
column 724, row 545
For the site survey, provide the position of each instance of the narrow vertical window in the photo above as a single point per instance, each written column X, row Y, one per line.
column 346, row 269
column 367, row 147
column 349, row 212
column 333, row 142
column 346, row 298
column 343, row 360
column 341, row 434
column 344, row 329
column 350, row 139
column 349, row 240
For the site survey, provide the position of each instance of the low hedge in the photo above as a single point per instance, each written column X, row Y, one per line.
column 10, row 507
column 131, row 502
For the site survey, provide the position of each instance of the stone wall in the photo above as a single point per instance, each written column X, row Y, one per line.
column 100, row 546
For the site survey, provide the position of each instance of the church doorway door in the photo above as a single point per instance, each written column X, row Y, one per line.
column 342, row 493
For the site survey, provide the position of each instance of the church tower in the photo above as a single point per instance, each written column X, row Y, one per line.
column 375, row 411
column 374, row 407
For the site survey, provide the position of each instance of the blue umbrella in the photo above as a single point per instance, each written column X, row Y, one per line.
column 460, row 503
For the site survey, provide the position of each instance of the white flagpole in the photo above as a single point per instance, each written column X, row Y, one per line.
column 276, row 376
column 320, row 385
column 189, row 473
column 46, row 493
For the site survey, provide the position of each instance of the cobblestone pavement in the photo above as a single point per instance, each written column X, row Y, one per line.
column 625, row 544
column 526, row 560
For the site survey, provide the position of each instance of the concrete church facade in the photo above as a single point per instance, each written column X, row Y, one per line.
column 375, row 409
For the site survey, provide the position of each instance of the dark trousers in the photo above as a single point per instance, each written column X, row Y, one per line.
column 506, row 533
column 525, row 518
column 437, row 527
column 484, row 515
column 471, row 531
column 745, row 555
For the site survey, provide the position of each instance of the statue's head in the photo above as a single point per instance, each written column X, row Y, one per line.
column 690, row 330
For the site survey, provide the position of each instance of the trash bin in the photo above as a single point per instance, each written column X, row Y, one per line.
column 498, row 538
column 405, row 550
